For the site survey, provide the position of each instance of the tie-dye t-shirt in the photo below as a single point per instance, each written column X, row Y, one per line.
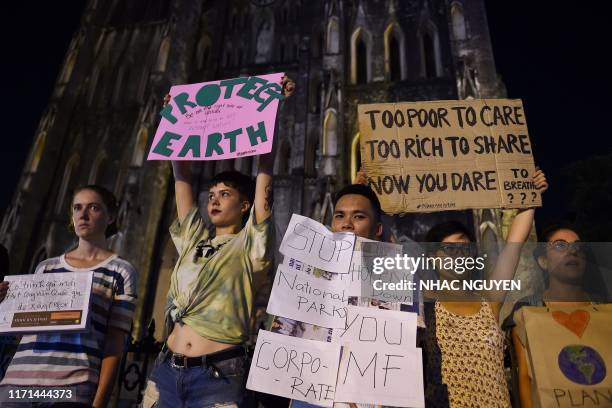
column 213, row 284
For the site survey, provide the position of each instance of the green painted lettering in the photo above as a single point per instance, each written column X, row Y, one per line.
column 244, row 92
column 260, row 133
column 213, row 144
column 193, row 144
column 229, row 84
column 208, row 95
column 232, row 138
column 163, row 145
column 181, row 101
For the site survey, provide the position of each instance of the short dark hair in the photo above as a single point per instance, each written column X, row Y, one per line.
column 241, row 182
column 235, row 179
column 364, row 191
column 438, row 232
column 109, row 200
column 549, row 229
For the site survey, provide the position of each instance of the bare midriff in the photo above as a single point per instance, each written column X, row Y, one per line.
column 184, row 340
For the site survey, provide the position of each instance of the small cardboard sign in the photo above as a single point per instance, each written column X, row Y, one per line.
column 448, row 155
column 46, row 302
column 219, row 119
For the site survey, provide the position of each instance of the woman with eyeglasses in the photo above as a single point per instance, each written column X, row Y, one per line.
column 463, row 345
column 570, row 280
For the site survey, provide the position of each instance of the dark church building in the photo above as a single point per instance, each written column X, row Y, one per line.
column 126, row 55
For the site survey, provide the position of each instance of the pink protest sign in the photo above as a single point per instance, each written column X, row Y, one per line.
column 218, row 120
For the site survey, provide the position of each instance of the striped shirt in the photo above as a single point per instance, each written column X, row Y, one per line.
column 60, row 359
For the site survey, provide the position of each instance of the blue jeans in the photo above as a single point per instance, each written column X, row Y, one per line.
column 206, row 386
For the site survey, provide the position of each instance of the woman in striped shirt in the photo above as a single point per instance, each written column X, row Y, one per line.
column 86, row 362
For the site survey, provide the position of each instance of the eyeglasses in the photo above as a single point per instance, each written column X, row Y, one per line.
column 564, row 246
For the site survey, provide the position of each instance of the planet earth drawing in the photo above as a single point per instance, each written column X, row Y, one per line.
column 582, row 364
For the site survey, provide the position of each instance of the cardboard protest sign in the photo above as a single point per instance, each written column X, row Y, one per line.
column 295, row 368
column 569, row 354
column 46, row 302
column 312, row 243
column 305, row 298
column 381, row 374
column 448, row 155
column 378, row 326
column 219, row 119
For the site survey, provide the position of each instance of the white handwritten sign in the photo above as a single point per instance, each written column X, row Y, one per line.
column 378, row 326
column 311, row 242
column 308, row 299
column 381, row 374
column 46, row 302
column 294, row 368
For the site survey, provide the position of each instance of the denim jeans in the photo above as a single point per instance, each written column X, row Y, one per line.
column 213, row 385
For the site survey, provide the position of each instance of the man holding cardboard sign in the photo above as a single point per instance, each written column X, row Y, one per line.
column 213, row 284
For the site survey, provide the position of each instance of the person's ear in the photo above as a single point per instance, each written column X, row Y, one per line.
column 542, row 262
column 379, row 230
column 111, row 219
column 245, row 206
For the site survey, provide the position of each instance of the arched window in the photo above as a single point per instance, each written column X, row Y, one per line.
column 203, row 52
column 162, row 57
column 140, row 147
column 394, row 60
column 395, row 64
column 330, row 134
column 362, row 61
column 431, row 65
column 265, row 40
column 360, row 57
column 430, row 59
column 333, row 36
column 315, row 95
column 458, row 20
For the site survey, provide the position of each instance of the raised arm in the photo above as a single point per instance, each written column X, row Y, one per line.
column 265, row 168
column 517, row 235
column 182, row 188
column 182, row 183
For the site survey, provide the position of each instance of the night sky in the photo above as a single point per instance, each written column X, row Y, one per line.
column 555, row 58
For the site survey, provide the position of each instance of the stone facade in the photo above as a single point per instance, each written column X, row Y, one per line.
column 104, row 109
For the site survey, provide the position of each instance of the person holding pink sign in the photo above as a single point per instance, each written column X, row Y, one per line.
column 210, row 302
